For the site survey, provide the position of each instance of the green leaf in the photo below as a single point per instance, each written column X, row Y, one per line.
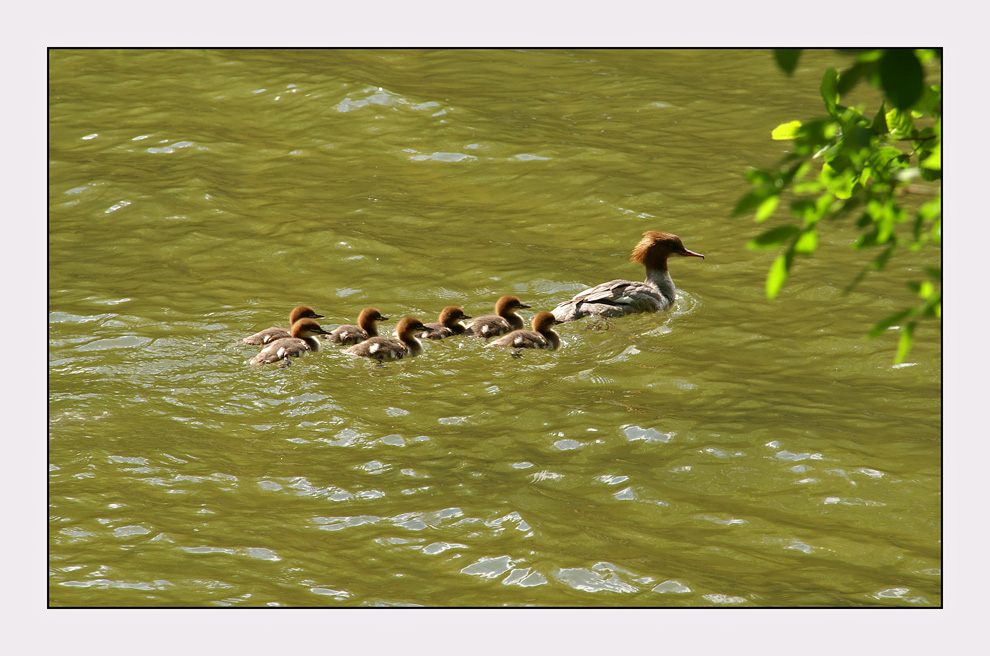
column 859, row 137
column 933, row 307
column 760, row 177
column 772, row 238
column 924, row 288
column 805, row 209
column 930, row 175
column 838, row 163
column 931, row 100
column 880, row 261
column 934, row 158
column 807, row 243
column 766, row 208
column 786, row 131
column 839, row 177
column 870, row 55
column 865, row 175
column 890, row 215
column 867, row 239
column 829, row 90
column 887, row 322
column 852, row 75
column 887, row 159
column 808, row 187
column 925, row 55
column 904, row 345
column 901, row 77
column 823, row 206
column 753, row 200
column 900, row 123
column 930, row 210
column 777, row 274
column 879, row 125
column 787, row 59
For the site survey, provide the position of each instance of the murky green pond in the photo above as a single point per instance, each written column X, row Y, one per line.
column 734, row 452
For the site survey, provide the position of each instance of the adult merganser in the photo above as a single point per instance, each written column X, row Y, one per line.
column 448, row 323
column 273, row 333
column 505, row 320
column 303, row 339
column 385, row 348
column 542, row 336
column 367, row 327
column 620, row 297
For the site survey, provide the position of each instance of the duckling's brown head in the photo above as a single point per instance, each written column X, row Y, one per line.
column 507, row 304
column 543, row 321
column 408, row 326
column 451, row 314
column 303, row 312
column 370, row 315
column 307, row 328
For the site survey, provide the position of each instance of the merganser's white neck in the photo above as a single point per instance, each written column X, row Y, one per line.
column 660, row 278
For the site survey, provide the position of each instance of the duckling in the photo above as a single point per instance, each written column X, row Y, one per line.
column 504, row 320
column 385, row 348
column 303, row 339
column 448, row 323
column 542, row 336
column 367, row 327
column 273, row 333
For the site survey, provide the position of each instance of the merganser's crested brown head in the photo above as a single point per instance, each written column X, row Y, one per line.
column 656, row 246
column 507, row 304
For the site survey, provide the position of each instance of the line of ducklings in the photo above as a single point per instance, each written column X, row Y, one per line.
column 363, row 339
column 614, row 298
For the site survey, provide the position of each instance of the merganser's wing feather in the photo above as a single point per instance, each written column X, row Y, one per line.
column 611, row 299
